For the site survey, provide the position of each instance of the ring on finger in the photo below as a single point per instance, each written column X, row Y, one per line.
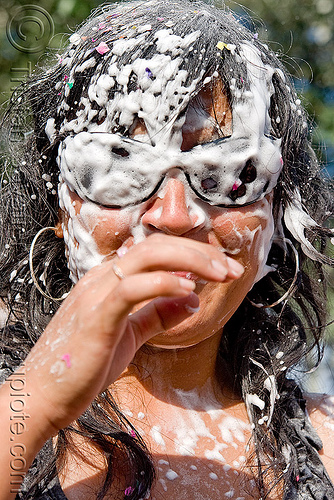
column 118, row 271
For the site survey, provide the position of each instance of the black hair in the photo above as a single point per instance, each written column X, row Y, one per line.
column 261, row 345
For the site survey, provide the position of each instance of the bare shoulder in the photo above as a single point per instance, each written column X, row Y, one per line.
column 321, row 411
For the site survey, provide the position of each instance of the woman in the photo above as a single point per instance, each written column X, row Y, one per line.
column 191, row 210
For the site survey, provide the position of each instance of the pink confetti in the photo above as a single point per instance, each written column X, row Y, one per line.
column 282, row 162
column 94, row 40
column 101, row 26
column 102, row 48
column 297, row 479
column 65, row 78
column 128, row 491
column 236, row 185
column 133, row 434
column 67, row 359
column 160, row 19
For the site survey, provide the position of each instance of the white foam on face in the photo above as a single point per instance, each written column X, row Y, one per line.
column 264, row 238
column 81, row 249
column 116, row 171
column 250, row 120
column 254, row 117
column 162, row 75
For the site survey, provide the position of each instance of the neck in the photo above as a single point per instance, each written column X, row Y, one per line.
column 164, row 374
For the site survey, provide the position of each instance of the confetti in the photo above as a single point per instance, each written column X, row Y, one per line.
column 149, row 72
column 102, row 48
column 133, row 434
column 222, row 46
column 160, row 19
column 67, row 359
column 236, row 185
column 70, row 84
column 128, row 491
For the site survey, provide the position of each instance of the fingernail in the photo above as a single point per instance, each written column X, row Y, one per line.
column 192, row 303
column 220, row 268
column 235, row 268
column 187, row 284
column 191, row 310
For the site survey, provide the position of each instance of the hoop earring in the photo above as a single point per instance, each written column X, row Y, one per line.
column 31, row 267
column 292, row 286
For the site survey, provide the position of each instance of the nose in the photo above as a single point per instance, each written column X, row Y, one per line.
column 171, row 213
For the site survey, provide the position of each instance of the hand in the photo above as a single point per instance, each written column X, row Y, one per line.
column 93, row 336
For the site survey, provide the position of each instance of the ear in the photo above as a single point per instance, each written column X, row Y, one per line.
column 59, row 228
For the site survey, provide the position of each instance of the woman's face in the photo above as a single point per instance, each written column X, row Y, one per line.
column 93, row 232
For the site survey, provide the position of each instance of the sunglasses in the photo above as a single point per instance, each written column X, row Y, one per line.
column 117, row 172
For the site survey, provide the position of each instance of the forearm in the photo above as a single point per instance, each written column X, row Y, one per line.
column 23, row 431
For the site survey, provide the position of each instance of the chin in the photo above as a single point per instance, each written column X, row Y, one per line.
column 218, row 302
column 205, row 323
